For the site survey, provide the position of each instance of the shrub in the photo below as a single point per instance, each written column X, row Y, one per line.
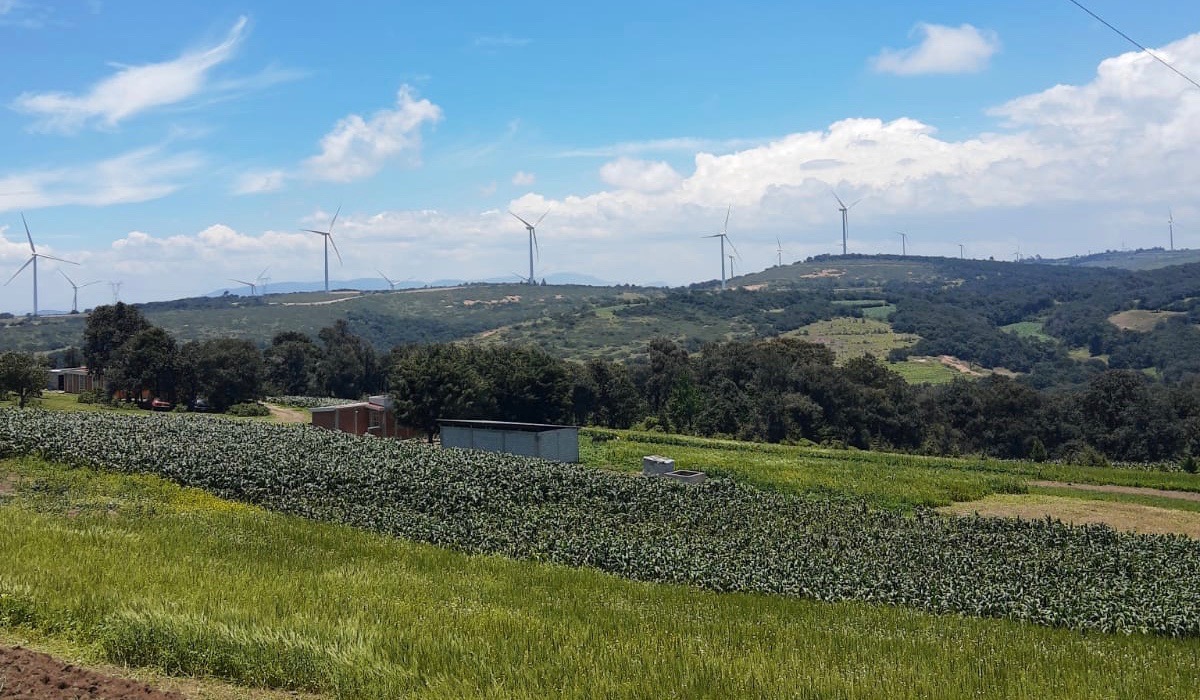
column 248, row 410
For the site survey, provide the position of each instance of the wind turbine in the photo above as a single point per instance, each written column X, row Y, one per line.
column 903, row 243
column 731, row 257
column 1171, row 224
column 533, row 244
column 253, row 287
column 779, row 251
column 33, row 258
column 845, row 209
column 75, row 291
column 262, row 279
column 724, row 236
column 328, row 240
column 960, row 251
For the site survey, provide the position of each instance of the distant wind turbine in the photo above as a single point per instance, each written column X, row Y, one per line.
column 391, row 283
column 262, row 279
column 1171, row 224
column 328, row 240
column 960, row 251
column 533, row 244
column 33, row 259
column 253, row 287
column 779, row 251
column 903, row 243
column 845, row 209
column 75, row 291
column 731, row 257
column 724, row 236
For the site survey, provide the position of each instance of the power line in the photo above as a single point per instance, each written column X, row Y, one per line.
column 1128, row 38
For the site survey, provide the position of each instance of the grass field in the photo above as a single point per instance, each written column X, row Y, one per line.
column 1027, row 329
column 855, row 337
column 1140, row 320
column 925, row 370
column 135, row 570
column 894, row 480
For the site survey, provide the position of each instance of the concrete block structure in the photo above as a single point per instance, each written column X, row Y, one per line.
column 555, row 442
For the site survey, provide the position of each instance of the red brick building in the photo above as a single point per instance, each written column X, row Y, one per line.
column 371, row 417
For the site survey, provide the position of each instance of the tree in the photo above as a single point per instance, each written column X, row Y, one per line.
column 23, row 374
column 432, row 382
column 107, row 329
column 527, row 384
column 348, row 368
column 225, row 371
column 292, row 363
column 148, row 360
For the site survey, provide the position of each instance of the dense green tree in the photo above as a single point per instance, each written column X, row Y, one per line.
column 292, row 362
column 225, row 371
column 149, row 360
column 527, row 385
column 431, row 382
column 22, row 374
column 348, row 368
column 108, row 328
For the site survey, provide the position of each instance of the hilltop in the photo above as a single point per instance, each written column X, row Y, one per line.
column 933, row 318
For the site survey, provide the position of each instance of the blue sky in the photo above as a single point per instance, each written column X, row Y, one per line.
column 173, row 146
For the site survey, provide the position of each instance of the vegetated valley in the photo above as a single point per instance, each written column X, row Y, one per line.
column 835, row 405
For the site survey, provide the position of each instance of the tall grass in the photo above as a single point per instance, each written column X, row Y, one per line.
column 149, row 573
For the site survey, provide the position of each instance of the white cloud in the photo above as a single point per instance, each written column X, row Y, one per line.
column 358, row 148
column 132, row 89
column 963, row 49
column 523, row 179
column 137, row 176
column 640, row 175
column 683, row 144
column 259, row 181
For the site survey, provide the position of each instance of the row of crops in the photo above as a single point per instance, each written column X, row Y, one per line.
column 719, row 535
column 308, row 401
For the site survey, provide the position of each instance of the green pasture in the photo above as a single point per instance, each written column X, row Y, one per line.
column 134, row 570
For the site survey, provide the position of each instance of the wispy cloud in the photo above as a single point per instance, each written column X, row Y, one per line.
column 357, row 148
column 523, row 179
column 137, row 176
column 963, row 49
column 258, row 182
column 132, row 89
column 684, row 144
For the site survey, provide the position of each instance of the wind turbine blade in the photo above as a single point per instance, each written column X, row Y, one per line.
column 260, row 275
column 839, row 200
column 335, row 250
column 73, row 285
column 313, row 230
column 27, row 233
column 527, row 224
column 10, row 279
column 248, row 284
column 335, row 216
column 727, row 210
column 735, row 251
column 855, row 203
column 88, row 284
column 715, row 235
column 542, row 217
column 537, row 250
column 51, row 257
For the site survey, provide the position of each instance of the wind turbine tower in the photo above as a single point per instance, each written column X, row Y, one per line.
column 1171, row 224
column 903, row 243
column 960, row 251
column 732, row 274
column 328, row 240
column 33, row 260
column 533, row 244
column 845, row 209
column 779, row 251
column 724, row 236
column 262, row 280
column 75, row 291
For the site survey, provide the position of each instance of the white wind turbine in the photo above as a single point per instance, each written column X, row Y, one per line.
column 533, row 244
column 779, row 251
column 1171, row 225
column 253, row 287
column 33, row 258
column 262, row 279
column 328, row 240
column 845, row 209
column 75, row 291
column 724, row 236
column 903, row 243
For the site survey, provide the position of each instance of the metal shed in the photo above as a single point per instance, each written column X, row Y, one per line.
column 557, row 442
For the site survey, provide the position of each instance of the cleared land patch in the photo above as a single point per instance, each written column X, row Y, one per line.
column 855, row 337
column 1140, row 320
column 1129, row 517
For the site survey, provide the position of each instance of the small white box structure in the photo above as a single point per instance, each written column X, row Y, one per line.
column 687, row 477
column 655, row 465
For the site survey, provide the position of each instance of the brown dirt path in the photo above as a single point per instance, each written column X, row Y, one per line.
column 283, row 414
column 1130, row 517
column 1134, row 490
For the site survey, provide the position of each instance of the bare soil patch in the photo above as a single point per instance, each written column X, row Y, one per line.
column 1130, row 517
column 1134, row 490
column 32, row 674
column 283, row 414
column 1140, row 320
column 8, row 484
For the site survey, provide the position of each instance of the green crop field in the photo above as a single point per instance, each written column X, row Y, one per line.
column 1027, row 329
column 135, row 570
column 925, row 370
column 855, row 337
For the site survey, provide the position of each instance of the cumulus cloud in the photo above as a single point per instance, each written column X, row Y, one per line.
column 523, row 179
column 132, row 89
column 639, row 175
column 357, row 148
column 962, row 49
